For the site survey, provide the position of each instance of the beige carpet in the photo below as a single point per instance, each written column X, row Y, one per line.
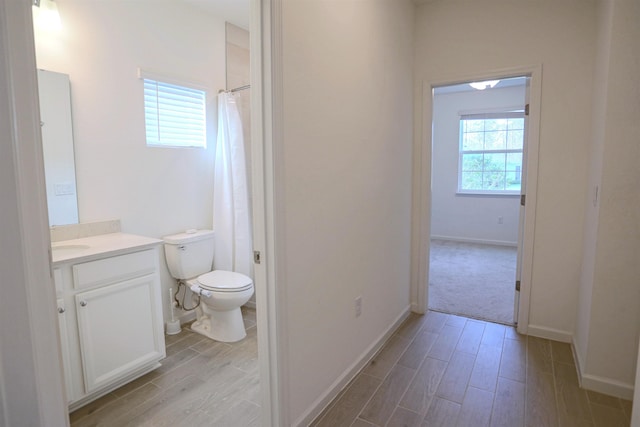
column 473, row 280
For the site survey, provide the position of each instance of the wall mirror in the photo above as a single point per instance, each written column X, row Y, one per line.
column 54, row 92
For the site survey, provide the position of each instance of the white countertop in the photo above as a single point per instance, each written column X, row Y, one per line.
column 94, row 247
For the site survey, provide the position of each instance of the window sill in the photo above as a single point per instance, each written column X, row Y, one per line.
column 486, row 194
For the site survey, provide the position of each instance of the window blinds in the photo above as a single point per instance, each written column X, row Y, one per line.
column 175, row 116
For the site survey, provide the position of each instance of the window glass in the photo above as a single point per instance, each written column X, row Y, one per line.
column 491, row 153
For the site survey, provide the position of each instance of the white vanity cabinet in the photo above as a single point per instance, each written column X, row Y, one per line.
column 64, row 341
column 110, row 320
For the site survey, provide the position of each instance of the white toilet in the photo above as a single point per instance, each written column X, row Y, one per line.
column 189, row 258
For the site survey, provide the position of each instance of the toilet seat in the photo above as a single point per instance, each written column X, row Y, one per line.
column 224, row 281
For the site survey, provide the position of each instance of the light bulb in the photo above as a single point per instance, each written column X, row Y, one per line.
column 484, row 85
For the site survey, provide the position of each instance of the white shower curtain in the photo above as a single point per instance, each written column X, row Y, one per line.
column 231, row 216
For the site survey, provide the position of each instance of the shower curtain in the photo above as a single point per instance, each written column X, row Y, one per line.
column 231, row 216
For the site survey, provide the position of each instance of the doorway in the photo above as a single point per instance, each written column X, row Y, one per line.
column 478, row 163
column 206, row 70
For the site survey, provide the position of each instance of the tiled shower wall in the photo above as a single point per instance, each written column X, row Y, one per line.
column 238, row 75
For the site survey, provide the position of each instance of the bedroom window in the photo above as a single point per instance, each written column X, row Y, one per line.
column 174, row 114
column 490, row 159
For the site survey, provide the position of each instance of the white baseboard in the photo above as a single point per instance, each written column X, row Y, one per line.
column 549, row 333
column 577, row 357
column 339, row 384
column 607, row 386
column 415, row 309
column 600, row 384
column 480, row 241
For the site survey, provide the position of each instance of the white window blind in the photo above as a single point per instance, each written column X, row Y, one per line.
column 175, row 116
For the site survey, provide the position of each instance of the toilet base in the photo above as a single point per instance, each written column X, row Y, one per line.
column 224, row 326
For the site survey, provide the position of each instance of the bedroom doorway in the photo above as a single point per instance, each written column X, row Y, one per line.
column 478, row 165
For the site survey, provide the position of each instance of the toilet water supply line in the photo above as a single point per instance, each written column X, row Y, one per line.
column 199, row 292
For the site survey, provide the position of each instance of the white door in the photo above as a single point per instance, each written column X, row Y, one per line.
column 523, row 193
column 118, row 329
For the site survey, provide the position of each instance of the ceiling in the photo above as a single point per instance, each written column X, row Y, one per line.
column 233, row 11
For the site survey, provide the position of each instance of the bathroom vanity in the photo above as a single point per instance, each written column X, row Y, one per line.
column 109, row 311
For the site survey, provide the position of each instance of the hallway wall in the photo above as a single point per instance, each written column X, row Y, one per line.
column 345, row 172
column 456, row 41
column 606, row 340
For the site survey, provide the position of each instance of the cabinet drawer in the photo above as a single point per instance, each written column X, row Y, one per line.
column 114, row 269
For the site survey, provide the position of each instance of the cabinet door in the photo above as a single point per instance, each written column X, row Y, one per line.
column 119, row 330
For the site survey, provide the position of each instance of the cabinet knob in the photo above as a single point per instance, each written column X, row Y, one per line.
column 83, row 303
column 61, row 310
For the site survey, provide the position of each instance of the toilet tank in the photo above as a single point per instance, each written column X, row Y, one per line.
column 189, row 254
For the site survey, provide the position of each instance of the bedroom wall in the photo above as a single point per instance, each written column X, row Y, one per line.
column 468, row 217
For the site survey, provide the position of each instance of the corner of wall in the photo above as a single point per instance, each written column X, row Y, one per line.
column 550, row 333
column 597, row 383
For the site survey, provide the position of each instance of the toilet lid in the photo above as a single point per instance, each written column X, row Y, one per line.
column 225, row 281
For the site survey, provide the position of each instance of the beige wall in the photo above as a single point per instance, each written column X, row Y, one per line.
column 453, row 40
column 346, row 174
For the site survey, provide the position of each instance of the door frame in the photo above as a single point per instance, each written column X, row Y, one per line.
column 266, row 128
column 38, row 392
column 422, row 184
column 32, row 388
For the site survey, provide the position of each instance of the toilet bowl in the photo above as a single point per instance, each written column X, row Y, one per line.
column 222, row 293
column 189, row 257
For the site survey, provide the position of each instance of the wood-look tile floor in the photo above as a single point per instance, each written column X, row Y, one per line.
column 201, row 383
column 444, row 370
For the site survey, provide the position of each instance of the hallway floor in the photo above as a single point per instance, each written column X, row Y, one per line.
column 201, row 383
column 446, row 370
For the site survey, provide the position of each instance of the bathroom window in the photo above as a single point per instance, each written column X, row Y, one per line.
column 174, row 114
column 490, row 159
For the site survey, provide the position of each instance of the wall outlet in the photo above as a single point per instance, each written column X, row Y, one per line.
column 500, row 220
column 358, row 306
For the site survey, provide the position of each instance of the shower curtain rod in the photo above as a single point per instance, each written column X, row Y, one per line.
column 237, row 89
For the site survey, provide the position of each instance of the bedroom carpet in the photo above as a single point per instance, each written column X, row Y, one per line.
column 473, row 280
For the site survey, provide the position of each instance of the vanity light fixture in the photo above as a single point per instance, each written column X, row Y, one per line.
column 46, row 15
column 484, row 85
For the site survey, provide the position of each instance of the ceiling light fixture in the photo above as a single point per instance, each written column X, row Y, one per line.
column 484, row 85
